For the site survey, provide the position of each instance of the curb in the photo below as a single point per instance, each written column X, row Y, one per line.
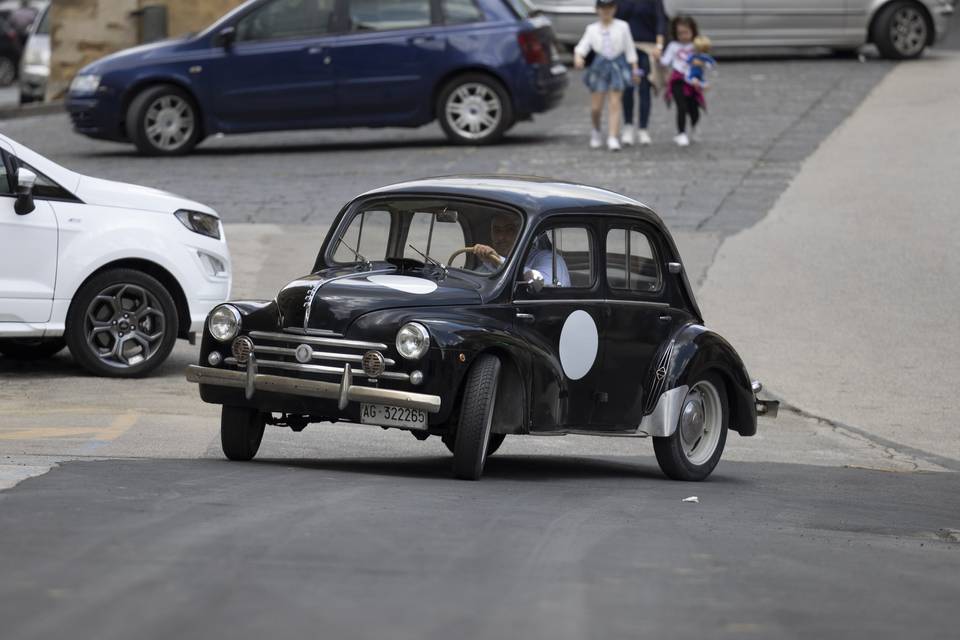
column 25, row 111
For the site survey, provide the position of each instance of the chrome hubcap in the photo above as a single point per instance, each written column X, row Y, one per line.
column 474, row 110
column 700, row 423
column 124, row 325
column 908, row 31
column 169, row 122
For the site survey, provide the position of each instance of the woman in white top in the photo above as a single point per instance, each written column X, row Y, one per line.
column 614, row 68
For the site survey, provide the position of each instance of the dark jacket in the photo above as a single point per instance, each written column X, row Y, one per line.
column 647, row 18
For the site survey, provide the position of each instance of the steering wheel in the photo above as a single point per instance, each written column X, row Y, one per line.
column 496, row 257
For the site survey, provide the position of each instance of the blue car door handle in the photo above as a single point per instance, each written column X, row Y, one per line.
column 422, row 39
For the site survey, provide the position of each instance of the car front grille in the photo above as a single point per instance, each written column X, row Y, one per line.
column 327, row 355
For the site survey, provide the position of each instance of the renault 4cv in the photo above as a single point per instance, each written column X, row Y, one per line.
column 476, row 307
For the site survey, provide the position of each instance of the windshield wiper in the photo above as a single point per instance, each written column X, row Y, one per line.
column 365, row 264
column 428, row 259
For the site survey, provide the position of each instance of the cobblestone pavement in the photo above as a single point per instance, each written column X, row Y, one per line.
column 764, row 118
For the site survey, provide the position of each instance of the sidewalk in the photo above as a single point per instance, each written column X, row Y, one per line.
column 844, row 299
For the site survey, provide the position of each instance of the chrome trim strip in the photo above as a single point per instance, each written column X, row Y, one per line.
column 315, row 368
column 323, row 342
column 312, row 332
column 641, row 303
column 317, row 355
column 662, row 421
column 313, row 388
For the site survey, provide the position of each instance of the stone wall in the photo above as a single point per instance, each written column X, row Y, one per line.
column 82, row 31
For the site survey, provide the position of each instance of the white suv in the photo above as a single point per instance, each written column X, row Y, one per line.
column 115, row 271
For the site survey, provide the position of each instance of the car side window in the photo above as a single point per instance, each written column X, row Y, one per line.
column 386, row 15
column 286, row 19
column 45, row 187
column 461, row 12
column 631, row 261
column 564, row 255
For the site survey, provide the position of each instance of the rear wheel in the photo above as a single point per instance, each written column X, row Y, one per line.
column 694, row 449
column 241, row 431
column 474, row 109
column 476, row 417
column 902, row 30
column 31, row 348
column 163, row 121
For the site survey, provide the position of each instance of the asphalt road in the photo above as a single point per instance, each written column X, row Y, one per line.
column 544, row 547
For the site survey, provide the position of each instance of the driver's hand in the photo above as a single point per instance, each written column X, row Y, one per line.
column 485, row 252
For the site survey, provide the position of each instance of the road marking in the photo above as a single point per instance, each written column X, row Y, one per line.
column 117, row 427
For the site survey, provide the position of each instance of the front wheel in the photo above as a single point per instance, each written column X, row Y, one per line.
column 163, row 121
column 694, row 449
column 241, row 431
column 901, row 31
column 474, row 109
column 122, row 324
column 476, row 418
column 496, row 439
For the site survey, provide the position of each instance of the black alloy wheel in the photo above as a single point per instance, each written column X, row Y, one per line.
column 241, row 432
column 476, row 418
column 122, row 323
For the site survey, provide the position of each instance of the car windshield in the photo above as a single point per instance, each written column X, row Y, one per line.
column 436, row 233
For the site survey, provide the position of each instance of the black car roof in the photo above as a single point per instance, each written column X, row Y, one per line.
column 530, row 193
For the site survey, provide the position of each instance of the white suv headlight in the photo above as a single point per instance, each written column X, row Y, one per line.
column 413, row 340
column 224, row 322
column 85, row 84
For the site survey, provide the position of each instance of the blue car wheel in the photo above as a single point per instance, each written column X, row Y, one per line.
column 163, row 121
column 474, row 109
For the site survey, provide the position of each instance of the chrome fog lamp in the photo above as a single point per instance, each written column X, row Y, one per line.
column 413, row 340
column 224, row 322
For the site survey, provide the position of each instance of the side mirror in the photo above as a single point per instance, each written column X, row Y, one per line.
column 225, row 37
column 533, row 280
column 25, row 181
column 675, row 268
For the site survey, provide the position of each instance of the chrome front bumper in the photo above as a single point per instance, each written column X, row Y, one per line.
column 343, row 392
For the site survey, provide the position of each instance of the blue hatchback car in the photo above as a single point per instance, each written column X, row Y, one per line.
column 478, row 66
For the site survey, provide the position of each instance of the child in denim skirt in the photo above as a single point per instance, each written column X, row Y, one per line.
column 614, row 69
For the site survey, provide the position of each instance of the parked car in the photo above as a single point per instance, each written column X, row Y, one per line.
column 10, row 53
column 35, row 63
column 478, row 66
column 115, row 271
column 471, row 308
column 899, row 28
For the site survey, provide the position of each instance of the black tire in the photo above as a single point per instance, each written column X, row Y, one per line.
column 31, row 348
column 476, row 416
column 481, row 83
column 241, row 431
column 8, row 70
column 674, row 461
column 496, row 439
column 78, row 328
column 141, row 109
column 902, row 48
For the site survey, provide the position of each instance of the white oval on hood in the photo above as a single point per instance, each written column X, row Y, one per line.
column 407, row 284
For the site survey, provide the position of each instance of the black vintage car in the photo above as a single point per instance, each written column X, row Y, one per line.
column 477, row 307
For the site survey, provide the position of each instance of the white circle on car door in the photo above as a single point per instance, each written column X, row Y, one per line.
column 578, row 344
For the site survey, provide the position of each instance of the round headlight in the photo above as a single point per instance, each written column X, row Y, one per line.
column 413, row 340
column 224, row 323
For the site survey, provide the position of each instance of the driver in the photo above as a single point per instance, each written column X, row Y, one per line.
column 504, row 229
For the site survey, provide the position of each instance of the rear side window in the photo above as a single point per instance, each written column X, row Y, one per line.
column 386, row 15
column 286, row 19
column 631, row 262
column 564, row 255
column 461, row 12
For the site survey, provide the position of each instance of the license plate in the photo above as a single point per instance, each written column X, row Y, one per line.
column 389, row 416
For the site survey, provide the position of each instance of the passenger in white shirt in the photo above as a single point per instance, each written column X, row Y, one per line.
column 614, row 68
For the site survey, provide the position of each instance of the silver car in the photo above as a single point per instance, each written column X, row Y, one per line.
column 35, row 62
column 899, row 28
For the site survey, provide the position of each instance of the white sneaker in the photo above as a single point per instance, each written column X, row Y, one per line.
column 596, row 140
column 645, row 137
column 613, row 144
column 628, row 135
column 682, row 140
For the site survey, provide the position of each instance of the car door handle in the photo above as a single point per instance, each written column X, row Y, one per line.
column 666, row 318
column 422, row 39
column 314, row 50
column 526, row 317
